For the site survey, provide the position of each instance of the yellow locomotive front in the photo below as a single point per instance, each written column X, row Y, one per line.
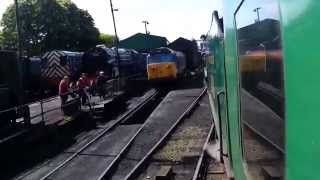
column 162, row 70
column 165, row 64
column 161, row 64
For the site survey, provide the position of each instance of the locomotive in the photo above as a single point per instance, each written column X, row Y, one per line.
column 104, row 59
column 263, row 85
column 164, row 63
column 57, row 64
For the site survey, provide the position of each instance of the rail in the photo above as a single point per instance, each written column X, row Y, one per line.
column 123, row 118
column 201, row 168
column 134, row 172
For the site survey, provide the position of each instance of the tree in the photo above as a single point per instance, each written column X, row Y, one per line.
column 1, row 40
column 106, row 39
column 48, row 25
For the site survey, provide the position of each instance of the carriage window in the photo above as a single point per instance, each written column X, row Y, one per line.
column 261, row 88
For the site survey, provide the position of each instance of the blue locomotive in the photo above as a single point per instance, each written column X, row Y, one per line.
column 164, row 63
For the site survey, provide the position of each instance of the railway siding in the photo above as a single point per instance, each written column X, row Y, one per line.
column 71, row 141
column 158, row 123
column 182, row 150
column 94, row 160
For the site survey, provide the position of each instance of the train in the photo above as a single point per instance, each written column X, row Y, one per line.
column 263, row 85
column 105, row 59
column 28, row 79
column 165, row 64
column 175, row 61
column 191, row 51
column 57, row 64
column 50, row 68
column 39, row 76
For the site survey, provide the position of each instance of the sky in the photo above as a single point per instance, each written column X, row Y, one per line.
column 246, row 15
column 169, row 18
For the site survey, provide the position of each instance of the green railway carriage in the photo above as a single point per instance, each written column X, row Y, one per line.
column 263, row 83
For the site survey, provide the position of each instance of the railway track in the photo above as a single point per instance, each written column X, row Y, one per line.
column 101, row 156
column 264, row 137
column 134, row 165
column 125, row 117
column 200, row 172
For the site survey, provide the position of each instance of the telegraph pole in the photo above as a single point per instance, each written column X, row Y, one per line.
column 257, row 11
column 145, row 26
column 145, row 22
column 20, row 54
column 117, row 39
column 18, row 28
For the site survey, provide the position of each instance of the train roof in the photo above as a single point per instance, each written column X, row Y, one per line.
column 71, row 53
column 111, row 51
column 164, row 50
column 63, row 53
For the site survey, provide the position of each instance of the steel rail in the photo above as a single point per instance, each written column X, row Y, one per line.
column 117, row 158
column 121, row 119
column 200, row 164
column 134, row 171
column 257, row 132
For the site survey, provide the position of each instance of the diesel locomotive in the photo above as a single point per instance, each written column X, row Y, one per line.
column 56, row 64
column 165, row 64
column 263, row 81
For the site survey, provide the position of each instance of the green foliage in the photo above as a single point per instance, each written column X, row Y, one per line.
column 48, row 25
column 1, row 40
column 106, row 39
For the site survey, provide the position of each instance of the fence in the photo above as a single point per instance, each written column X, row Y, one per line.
column 51, row 109
column 37, row 112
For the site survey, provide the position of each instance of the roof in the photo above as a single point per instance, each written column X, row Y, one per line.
column 182, row 44
column 265, row 31
column 189, row 48
column 142, row 41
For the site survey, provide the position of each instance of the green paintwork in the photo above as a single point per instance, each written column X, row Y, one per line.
column 217, row 81
column 141, row 41
column 232, row 86
column 302, row 63
column 302, row 85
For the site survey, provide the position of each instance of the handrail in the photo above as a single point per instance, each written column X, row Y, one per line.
column 108, row 85
column 41, row 102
